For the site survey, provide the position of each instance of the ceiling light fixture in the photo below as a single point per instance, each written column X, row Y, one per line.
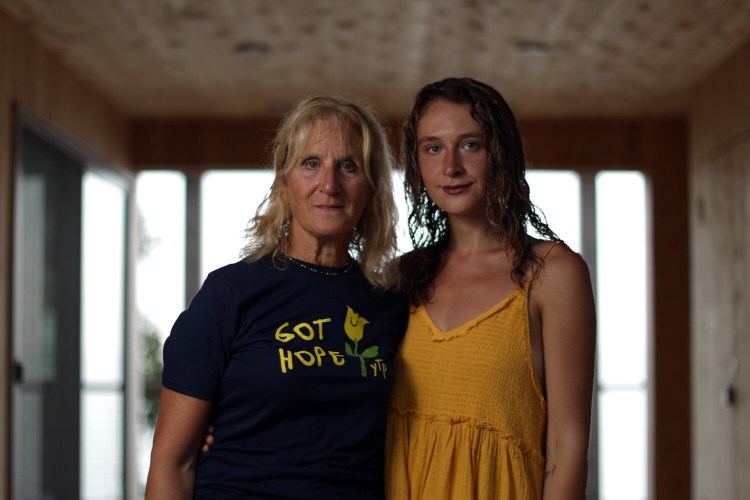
column 532, row 48
column 252, row 49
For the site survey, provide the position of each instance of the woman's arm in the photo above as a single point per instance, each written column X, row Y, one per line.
column 180, row 428
column 566, row 306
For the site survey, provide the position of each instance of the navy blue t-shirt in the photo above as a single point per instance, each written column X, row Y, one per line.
column 298, row 366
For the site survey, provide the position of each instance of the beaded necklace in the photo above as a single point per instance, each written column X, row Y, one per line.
column 326, row 273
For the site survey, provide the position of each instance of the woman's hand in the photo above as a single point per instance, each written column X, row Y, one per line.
column 208, row 439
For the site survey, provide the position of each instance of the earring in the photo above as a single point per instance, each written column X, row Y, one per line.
column 282, row 238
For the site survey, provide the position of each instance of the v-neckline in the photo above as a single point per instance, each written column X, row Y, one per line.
column 439, row 334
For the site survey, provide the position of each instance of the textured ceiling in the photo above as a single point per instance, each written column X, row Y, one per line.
column 180, row 58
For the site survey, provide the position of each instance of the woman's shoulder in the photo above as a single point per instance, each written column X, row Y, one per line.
column 242, row 272
column 235, row 268
column 559, row 264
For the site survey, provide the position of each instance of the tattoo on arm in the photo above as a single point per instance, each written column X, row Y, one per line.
column 548, row 473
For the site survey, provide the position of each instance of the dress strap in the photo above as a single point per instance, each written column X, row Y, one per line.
column 538, row 265
column 554, row 244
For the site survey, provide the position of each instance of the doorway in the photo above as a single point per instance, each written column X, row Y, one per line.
column 69, row 320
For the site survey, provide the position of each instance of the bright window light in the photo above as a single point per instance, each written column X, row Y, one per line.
column 402, row 228
column 557, row 194
column 229, row 199
column 622, row 301
column 102, row 334
column 160, row 267
column 160, row 276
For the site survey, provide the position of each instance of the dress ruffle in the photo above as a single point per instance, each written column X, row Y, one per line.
column 436, row 458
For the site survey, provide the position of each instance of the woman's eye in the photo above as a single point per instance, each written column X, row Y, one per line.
column 432, row 149
column 471, row 146
column 349, row 168
column 311, row 164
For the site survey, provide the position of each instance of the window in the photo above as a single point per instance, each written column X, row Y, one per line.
column 229, row 200
column 557, row 194
column 621, row 400
column 622, row 306
column 103, row 249
column 159, row 288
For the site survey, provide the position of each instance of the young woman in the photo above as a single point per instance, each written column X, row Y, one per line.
column 492, row 395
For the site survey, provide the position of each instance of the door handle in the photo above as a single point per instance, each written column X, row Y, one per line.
column 17, row 372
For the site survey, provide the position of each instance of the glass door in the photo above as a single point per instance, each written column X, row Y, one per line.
column 68, row 429
column 47, row 322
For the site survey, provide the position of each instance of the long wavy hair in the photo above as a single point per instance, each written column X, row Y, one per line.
column 509, row 207
column 373, row 243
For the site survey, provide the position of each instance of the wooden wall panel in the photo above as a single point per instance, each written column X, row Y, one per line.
column 663, row 154
column 720, row 318
column 591, row 144
column 32, row 78
column 199, row 144
column 720, row 244
column 195, row 144
column 42, row 85
column 720, row 107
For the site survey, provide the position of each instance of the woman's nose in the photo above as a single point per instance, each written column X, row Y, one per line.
column 329, row 181
column 452, row 164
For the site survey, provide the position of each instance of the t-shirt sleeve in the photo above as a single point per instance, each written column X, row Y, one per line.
column 198, row 348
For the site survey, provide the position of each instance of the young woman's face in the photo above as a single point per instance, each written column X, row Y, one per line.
column 453, row 160
column 326, row 187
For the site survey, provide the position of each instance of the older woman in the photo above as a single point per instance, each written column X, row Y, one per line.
column 289, row 351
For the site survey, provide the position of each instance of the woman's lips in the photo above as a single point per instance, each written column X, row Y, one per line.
column 329, row 207
column 455, row 189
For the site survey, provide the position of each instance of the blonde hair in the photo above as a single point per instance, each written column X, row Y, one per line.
column 373, row 243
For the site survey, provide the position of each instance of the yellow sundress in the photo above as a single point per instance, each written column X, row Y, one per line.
column 467, row 418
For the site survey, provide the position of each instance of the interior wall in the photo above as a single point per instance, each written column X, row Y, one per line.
column 720, row 262
column 32, row 78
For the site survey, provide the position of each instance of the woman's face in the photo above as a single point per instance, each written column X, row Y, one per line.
column 326, row 187
column 453, row 160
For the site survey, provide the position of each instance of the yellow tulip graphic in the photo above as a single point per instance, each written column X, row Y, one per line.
column 354, row 326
